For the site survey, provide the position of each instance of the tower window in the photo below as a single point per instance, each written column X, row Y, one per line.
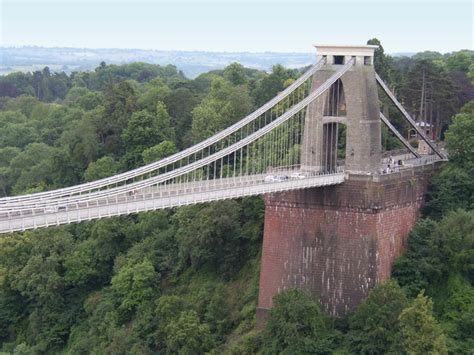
column 367, row 60
column 338, row 59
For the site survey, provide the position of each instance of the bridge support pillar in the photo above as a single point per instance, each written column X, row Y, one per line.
column 352, row 101
column 337, row 242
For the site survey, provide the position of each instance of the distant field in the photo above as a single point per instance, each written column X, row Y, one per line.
column 191, row 63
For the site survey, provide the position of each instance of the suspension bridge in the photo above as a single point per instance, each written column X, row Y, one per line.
column 292, row 142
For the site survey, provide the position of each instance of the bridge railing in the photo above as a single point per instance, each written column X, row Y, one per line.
column 151, row 200
column 174, row 159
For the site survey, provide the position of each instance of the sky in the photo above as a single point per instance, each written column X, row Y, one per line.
column 234, row 26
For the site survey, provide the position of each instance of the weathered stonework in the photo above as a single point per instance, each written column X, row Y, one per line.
column 337, row 242
column 359, row 87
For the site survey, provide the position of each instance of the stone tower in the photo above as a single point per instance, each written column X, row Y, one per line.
column 351, row 101
column 337, row 242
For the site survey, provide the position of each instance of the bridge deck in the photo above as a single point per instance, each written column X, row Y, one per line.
column 159, row 198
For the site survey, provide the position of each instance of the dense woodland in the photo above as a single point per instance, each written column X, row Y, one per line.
column 185, row 280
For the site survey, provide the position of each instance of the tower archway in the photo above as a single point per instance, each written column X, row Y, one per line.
column 335, row 101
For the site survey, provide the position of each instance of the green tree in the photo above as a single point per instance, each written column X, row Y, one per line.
column 168, row 309
column 296, row 326
column 38, row 277
column 217, row 312
column 156, row 92
column 382, row 62
column 159, row 151
column 7, row 154
column 24, row 104
column 436, row 250
column 206, row 121
column 17, row 135
column 459, row 138
column 389, row 140
column 120, row 102
column 271, row 85
column 83, row 98
column 421, row 332
column 235, row 73
column 41, row 278
column 33, row 168
column 103, row 167
column 460, row 61
column 374, row 327
column 454, row 239
column 465, row 329
column 90, row 287
column 224, row 105
column 440, row 259
column 429, row 94
column 209, row 235
column 453, row 305
column 50, row 121
column 453, row 187
column 135, row 284
column 187, row 336
column 146, row 129
column 91, row 263
column 16, row 130
column 417, row 268
column 81, row 141
column 470, row 73
column 180, row 104
column 430, row 55
column 17, row 83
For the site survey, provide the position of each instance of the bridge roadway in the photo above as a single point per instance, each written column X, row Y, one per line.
column 164, row 196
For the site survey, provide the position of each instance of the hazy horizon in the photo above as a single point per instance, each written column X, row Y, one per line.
column 233, row 26
column 198, row 50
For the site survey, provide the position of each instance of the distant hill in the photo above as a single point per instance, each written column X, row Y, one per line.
column 403, row 54
column 192, row 63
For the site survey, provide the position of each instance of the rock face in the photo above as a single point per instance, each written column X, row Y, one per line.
column 337, row 242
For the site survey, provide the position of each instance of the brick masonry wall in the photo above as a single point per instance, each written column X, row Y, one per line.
column 337, row 242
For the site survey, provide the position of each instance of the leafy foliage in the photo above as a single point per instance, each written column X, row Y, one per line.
column 101, row 168
column 186, row 335
column 297, row 326
column 454, row 186
column 224, row 105
column 421, row 332
column 382, row 62
column 374, row 327
column 437, row 249
column 135, row 284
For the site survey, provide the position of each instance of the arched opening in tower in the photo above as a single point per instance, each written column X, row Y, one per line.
column 334, row 132
column 335, row 103
column 334, row 146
